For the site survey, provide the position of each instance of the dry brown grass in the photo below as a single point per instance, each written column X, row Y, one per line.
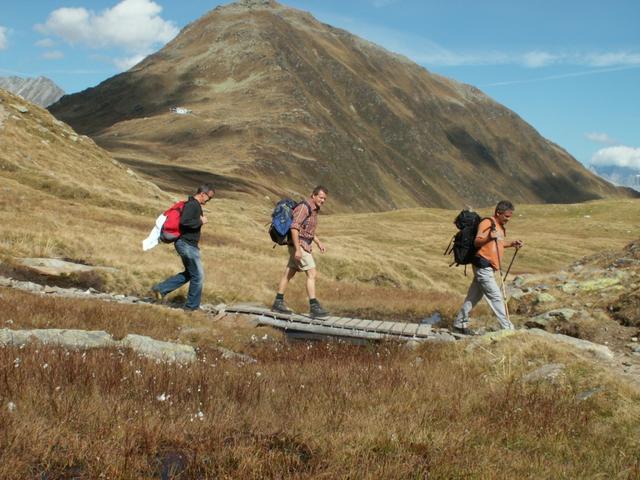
column 312, row 411
column 385, row 264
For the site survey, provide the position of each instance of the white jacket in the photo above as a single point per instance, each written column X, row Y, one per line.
column 154, row 237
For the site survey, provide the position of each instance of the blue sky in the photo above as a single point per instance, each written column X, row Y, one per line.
column 569, row 68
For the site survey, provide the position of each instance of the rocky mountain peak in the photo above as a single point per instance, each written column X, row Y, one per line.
column 39, row 90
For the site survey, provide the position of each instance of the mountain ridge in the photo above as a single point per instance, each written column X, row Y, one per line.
column 284, row 101
column 39, row 90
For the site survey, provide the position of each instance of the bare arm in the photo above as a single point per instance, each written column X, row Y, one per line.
column 295, row 239
column 320, row 245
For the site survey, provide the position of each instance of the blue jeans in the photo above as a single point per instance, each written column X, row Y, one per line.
column 193, row 273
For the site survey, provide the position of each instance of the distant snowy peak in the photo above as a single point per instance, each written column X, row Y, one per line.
column 622, row 176
column 39, row 90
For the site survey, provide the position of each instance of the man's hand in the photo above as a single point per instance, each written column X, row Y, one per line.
column 203, row 219
column 517, row 244
column 298, row 255
column 321, row 246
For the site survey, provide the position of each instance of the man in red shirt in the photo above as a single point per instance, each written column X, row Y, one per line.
column 303, row 236
column 490, row 243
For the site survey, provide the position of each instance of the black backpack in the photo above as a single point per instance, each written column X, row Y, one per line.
column 462, row 243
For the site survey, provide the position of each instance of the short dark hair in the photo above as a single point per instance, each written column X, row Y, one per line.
column 205, row 188
column 319, row 189
column 504, row 206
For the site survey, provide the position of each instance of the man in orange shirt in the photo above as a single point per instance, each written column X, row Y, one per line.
column 490, row 243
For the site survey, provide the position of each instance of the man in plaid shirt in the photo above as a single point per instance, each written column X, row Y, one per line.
column 303, row 236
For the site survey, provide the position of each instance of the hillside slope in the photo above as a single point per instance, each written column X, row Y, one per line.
column 281, row 102
column 45, row 157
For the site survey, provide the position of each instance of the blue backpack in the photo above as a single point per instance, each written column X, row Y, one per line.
column 281, row 220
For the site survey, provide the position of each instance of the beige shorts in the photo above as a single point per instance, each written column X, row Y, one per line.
column 306, row 262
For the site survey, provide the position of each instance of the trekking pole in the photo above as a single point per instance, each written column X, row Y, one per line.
column 504, row 292
column 504, row 279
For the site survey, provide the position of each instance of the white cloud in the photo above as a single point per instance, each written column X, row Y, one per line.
column 600, row 137
column 621, row 156
column 539, row 59
column 609, row 59
column 53, row 55
column 45, row 43
column 3, row 38
column 133, row 25
column 427, row 52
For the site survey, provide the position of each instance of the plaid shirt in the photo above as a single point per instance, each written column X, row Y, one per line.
column 305, row 222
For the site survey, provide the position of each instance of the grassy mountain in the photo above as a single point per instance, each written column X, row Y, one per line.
column 281, row 102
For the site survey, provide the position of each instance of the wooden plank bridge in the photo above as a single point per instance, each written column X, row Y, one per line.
column 352, row 328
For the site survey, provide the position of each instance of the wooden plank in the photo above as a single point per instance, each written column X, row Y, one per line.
column 353, row 322
column 384, row 327
column 243, row 308
column 361, row 324
column 317, row 328
column 342, row 322
column 398, row 328
column 328, row 321
column 423, row 331
column 371, row 326
column 411, row 329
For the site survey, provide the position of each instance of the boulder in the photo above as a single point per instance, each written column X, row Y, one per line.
column 231, row 355
column 544, row 297
column 549, row 372
column 84, row 340
column 601, row 351
column 165, row 351
column 75, row 339
column 57, row 267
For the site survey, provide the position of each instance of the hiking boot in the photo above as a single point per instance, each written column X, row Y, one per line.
column 157, row 296
column 280, row 307
column 463, row 330
column 316, row 311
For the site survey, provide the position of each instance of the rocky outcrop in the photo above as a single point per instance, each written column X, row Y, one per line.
column 83, row 340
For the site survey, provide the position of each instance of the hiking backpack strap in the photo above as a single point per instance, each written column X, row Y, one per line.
column 449, row 248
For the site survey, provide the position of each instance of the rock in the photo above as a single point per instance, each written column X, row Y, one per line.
column 441, row 337
column 231, row 355
column 634, row 347
column 564, row 314
column 75, row 339
column 600, row 283
column 515, row 293
column 166, row 351
column 57, row 267
column 569, row 287
column 589, row 393
column 601, row 351
column 549, row 372
column 545, row 298
column 412, row 344
column 488, row 338
column 539, row 321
